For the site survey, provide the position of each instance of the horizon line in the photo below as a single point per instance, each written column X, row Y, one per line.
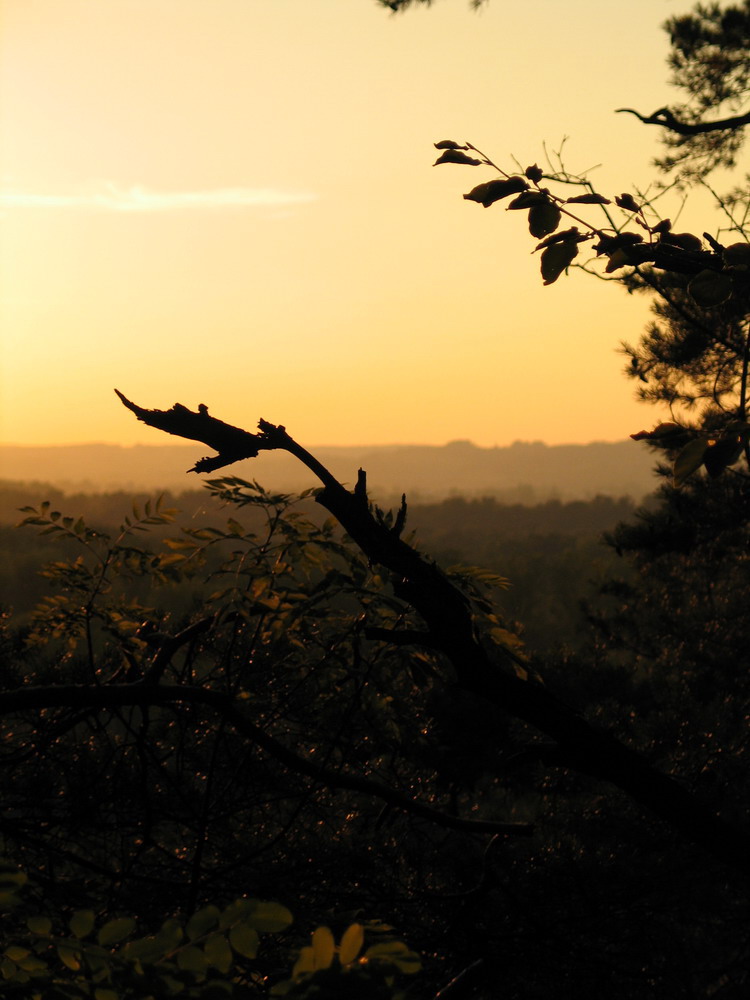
column 465, row 442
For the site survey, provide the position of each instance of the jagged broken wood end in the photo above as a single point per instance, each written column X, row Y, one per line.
column 231, row 443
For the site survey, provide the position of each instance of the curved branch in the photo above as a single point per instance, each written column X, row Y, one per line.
column 666, row 119
column 147, row 695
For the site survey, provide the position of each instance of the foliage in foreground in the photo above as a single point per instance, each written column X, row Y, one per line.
column 302, row 732
column 212, row 955
column 132, row 804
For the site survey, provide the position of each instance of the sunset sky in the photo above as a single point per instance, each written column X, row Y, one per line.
column 233, row 202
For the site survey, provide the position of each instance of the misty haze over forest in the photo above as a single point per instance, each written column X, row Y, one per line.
column 520, row 473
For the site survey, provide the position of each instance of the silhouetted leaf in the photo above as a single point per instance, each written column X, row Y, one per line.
column 556, row 258
column 456, row 156
column 491, row 191
column 588, row 199
column 560, row 237
column 618, row 258
column 527, row 199
column 661, row 431
column 449, row 144
column 737, row 254
column 544, row 219
column 685, row 241
column 608, row 244
column 628, row 202
column 710, row 288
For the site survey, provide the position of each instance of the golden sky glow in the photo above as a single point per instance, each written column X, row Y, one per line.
column 232, row 202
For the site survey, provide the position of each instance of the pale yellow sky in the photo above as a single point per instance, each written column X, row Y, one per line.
column 232, row 202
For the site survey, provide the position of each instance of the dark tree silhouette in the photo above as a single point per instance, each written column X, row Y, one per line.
column 495, row 674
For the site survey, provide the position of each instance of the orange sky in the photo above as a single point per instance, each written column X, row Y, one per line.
column 233, row 203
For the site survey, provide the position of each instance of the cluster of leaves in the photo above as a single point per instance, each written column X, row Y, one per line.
column 716, row 273
column 211, row 955
column 87, row 603
column 277, row 568
column 135, row 803
column 208, row 956
column 704, row 289
column 326, row 970
column 545, row 210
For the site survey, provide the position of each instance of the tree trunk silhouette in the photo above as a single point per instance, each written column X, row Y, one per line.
column 446, row 612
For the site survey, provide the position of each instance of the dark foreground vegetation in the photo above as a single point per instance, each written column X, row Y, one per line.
column 244, row 705
column 553, row 554
column 268, row 753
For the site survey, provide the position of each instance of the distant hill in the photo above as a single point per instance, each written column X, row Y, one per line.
column 521, row 473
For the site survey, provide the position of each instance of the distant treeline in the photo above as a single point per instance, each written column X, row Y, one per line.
column 469, row 523
column 524, row 472
column 552, row 553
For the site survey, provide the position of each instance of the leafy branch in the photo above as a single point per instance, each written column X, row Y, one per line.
column 714, row 273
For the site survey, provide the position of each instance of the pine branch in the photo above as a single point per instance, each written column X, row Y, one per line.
column 666, row 119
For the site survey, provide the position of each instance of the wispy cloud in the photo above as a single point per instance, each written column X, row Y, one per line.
column 109, row 197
